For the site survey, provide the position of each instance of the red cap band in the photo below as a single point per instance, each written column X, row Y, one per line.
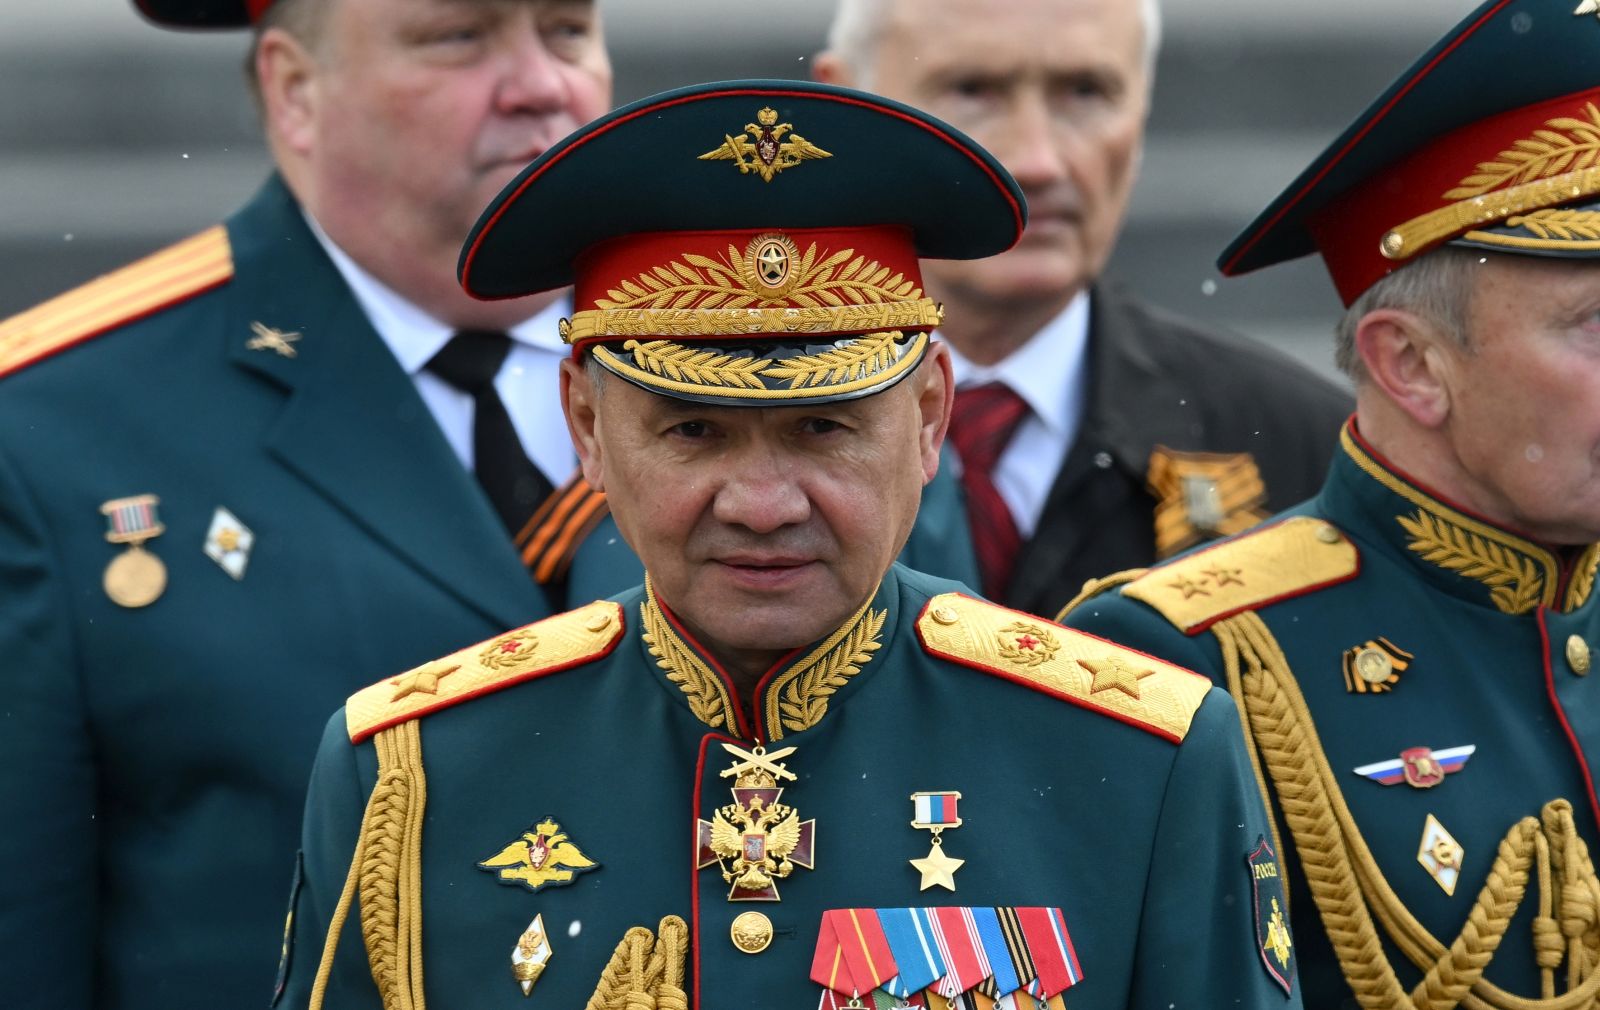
column 1477, row 160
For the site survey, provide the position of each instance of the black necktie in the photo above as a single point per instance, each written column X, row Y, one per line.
column 515, row 487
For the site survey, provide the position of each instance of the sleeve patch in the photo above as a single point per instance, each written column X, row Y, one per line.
column 1071, row 665
column 556, row 643
column 1270, row 563
column 1272, row 921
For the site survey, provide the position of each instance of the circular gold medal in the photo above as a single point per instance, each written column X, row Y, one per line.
column 135, row 578
column 751, row 932
column 1374, row 665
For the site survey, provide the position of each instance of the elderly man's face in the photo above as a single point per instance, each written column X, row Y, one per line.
column 763, row 529
column 1524, row 412
column 1057, row 91
column 421, row 111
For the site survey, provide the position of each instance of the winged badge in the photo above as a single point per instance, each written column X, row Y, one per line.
column 543, row 855
column 775, row 147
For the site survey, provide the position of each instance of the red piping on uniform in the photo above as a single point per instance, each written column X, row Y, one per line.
column 494, row 219
column 694, row 856
column 1227, row 268
column 716, row 667
column 1561, row 713
column 1384, row 462
column 1070, row 699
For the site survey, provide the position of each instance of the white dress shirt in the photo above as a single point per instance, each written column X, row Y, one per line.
column 527, row 382
column 1050, row 373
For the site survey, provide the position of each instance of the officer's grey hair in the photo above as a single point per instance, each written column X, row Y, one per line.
column 597, row 374
column 858, row 27
column 1437, row 287
column 303, row 19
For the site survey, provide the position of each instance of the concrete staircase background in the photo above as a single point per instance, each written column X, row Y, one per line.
column 116, row 138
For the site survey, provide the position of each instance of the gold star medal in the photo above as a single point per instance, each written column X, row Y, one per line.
column 135, row 578
column 756, row 840
column 936, row 811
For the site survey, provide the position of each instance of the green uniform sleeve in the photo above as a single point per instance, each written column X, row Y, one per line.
column 335, row 801
column 50, row 842
column 1200, row 942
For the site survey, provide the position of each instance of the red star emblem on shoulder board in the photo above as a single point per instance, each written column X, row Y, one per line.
column 1027, row 644
column 509, row 650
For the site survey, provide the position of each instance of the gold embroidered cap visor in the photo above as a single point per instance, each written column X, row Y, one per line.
column 748, row 243
column 1490, row 140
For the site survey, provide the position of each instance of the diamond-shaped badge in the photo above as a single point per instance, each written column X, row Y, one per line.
column 1440, row 854
column 531, row 954
column 228, row 542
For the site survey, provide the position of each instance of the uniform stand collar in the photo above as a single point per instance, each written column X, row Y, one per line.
column 793, row 696
column 1464, row 554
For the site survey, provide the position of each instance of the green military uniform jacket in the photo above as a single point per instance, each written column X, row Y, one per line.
column 1423, row 647
column 153, row 760
column 1121, row 797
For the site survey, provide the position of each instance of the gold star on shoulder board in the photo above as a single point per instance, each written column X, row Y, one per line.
column 424, row 681
column 268, row 338
column 938, row 868
column 1114, row 673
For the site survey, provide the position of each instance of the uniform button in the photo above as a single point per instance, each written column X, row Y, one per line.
column 751, row 932
column 1328, row 535
column 1102, row 460
column 945, row 615
column 1578, row 655
column 599, row 622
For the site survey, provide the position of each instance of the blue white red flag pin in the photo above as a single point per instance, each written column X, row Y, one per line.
column 134, row 578
column 936, row 811
column 1418, row 767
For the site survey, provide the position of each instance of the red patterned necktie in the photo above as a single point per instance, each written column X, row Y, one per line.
column 983, row 422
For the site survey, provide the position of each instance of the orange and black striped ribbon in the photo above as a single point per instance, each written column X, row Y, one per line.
column 552, row 536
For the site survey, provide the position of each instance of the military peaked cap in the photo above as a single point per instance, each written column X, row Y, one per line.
column 203, row 13
column 1489, row 141
column 748, row 242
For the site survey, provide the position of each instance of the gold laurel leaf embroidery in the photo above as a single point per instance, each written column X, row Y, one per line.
column 1583, row 578
column 1561, row 224
column 865, row 357
column 702, row 688
column 1567, row 144
column 705, row 368
column 1515, row 583
column 701, row 282
column 805, row 699
column 1041, row 651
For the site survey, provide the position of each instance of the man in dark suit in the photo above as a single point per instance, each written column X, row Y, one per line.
column 1095, row 433
column 263, row 422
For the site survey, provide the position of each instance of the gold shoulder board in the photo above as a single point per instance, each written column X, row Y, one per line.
column 1269, row 563
column 182, row 271
column 1071, row 665
column 548, row 646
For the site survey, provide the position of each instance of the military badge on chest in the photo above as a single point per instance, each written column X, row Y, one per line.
column 756, row 840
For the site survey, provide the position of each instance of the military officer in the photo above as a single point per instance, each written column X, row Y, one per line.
column 227, row 485
column 1412, row 647
column 785, row 769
